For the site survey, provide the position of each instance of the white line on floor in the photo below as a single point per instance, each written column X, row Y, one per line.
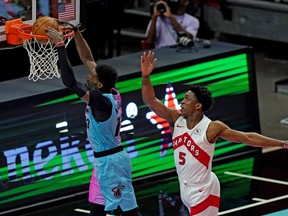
column 257, row 178
column 82, row 211
column 258, row 199
column 253, row 205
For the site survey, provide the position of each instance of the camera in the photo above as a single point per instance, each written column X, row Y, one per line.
column 173, row 4
column 161, row 8
column 184, row 40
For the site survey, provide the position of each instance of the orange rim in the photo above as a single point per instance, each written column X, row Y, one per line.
column 25, row 32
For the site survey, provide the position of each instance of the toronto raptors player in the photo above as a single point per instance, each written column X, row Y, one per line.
column 194, row 136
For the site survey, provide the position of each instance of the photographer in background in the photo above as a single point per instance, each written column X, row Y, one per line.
column 169, row 19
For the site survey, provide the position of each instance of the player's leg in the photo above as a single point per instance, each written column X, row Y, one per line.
column 96, row 199
column 97, row 210
column 116, row 212
column 133, row 212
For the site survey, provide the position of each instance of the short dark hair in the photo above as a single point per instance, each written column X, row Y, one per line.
column 203, row 95
column 107, row 75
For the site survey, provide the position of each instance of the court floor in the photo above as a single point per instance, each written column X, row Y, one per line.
column 264, row 193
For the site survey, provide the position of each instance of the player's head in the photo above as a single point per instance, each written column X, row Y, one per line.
column 107, row 75
column 203, row 95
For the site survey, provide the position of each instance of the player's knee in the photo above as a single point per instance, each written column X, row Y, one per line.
column 113, row 213
column 133, row 212
column 97, row 209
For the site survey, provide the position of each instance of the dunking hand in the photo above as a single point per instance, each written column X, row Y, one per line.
column 54, row 35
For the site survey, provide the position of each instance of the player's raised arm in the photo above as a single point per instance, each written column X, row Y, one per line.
column 67, row 74
column 148, row 62
column 84, row 51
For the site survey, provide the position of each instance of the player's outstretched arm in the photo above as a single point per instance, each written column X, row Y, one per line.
column 219, row 129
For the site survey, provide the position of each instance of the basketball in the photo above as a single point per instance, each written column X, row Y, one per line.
column 41, row 24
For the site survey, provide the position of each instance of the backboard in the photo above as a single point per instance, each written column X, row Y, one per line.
column 29, row 10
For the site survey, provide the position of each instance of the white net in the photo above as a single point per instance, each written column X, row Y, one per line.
column 43, row 58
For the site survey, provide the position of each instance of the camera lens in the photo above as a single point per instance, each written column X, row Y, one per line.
column 186, row 42
column 161, row 8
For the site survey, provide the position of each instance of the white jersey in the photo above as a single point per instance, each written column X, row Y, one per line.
column 193, row 154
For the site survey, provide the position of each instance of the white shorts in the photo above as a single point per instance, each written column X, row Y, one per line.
column 202, row 200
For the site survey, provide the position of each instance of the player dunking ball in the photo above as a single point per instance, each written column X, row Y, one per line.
column 103, row 117
column 194, row 136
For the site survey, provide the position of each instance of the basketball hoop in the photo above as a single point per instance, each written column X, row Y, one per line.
column 42, row 53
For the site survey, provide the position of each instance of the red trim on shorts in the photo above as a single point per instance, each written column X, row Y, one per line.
column 211, row 200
